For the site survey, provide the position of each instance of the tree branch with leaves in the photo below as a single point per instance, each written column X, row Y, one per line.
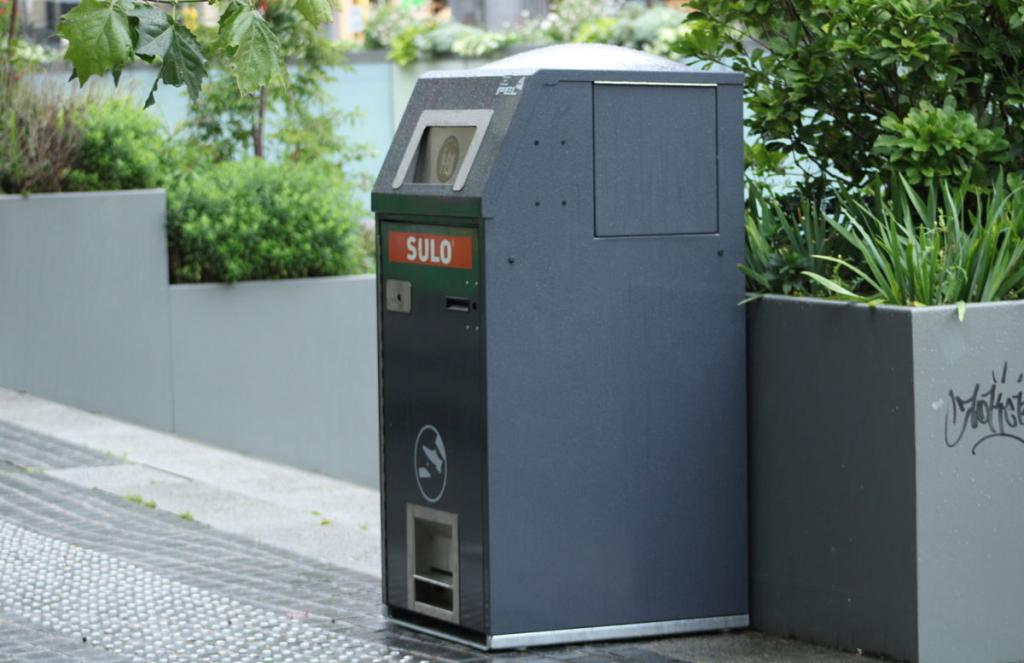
column 104, row 36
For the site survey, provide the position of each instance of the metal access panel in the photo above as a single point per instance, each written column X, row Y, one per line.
column 431, row 307
column 655, row 157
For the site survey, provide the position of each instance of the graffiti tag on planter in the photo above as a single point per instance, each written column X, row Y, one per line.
column 987, row 412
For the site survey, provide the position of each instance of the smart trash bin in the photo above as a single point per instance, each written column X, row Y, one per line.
column 562, row 354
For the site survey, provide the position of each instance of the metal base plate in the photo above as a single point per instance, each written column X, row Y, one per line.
column 577, row 635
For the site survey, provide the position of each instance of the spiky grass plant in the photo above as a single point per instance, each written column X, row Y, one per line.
column 952, row 245
column 785, row 240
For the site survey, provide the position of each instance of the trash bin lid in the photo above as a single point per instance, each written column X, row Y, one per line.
column 598, row 57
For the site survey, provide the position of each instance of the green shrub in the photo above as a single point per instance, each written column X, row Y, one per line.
column 410, row 38
column 850, row 90
column 942, row 142
column 250, row 219
column 634, row 28
column 123, row 147
column 39, row 137
column 386, row 22
column 405, row 45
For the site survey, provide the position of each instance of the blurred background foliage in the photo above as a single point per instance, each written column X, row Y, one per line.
column 409, row 37
column 883, row 137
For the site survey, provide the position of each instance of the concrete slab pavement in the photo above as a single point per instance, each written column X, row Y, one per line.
column 328, row 519
column 87, row 575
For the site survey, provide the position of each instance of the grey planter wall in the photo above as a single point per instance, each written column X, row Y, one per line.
column 286, row 370
column 887, row 477
column 84, row 312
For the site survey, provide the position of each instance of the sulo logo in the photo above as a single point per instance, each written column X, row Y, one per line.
column 453, row 251
column 428, row 249
column 430, row 461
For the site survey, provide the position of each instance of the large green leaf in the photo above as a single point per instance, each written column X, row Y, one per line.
column 316, row 11
column 149, row 22
column 99, row 37
column 253, row 47
column 181, row 59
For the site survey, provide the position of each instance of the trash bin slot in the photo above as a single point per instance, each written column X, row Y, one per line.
column 433, row 562
column 460, row 304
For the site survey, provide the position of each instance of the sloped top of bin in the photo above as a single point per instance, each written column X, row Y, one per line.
column 594, row 57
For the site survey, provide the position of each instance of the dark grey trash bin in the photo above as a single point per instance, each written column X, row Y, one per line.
column 563, row 437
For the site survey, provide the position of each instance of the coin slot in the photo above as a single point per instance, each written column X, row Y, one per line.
column 398, row 296
column 460, row 304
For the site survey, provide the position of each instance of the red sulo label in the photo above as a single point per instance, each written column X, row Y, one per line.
column 455, row 251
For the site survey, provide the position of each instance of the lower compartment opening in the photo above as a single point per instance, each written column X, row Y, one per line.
column 429, row 594
column 433, row 562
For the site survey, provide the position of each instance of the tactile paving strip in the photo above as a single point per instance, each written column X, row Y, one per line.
column 34, row 451
column 142, row 616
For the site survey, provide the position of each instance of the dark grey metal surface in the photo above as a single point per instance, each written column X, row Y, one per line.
column 832, row 467
column 616, row 401
column 587, row 57
column 614, row 453
column 433, row 374
column 655, row 150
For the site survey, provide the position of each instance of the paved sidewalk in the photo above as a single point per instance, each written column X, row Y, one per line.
column 248, row 574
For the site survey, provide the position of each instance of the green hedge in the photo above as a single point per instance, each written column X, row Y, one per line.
column 251, row 219
column 122, row 147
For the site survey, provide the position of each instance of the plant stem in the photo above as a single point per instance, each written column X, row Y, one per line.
column 11, row 27
column 11, row 24
column 257, row 130
column 261, row 116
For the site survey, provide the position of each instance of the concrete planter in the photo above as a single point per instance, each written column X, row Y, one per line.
column 286, row 370
column 887, row 477
column 84, row 312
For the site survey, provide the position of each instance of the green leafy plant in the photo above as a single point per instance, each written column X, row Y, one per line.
column 39, row 136
column 949, row 246
column 251, row 219
column 410, row 38
column 229, row 125
column 567, row 18
column 634, row 27
column 104, row 36
column 386, row 22
column 404, row 47
column 840, row 88
column 785, row 241
column 942, row 142
column 477, row 43
column 122, row 147
column 21, row 55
